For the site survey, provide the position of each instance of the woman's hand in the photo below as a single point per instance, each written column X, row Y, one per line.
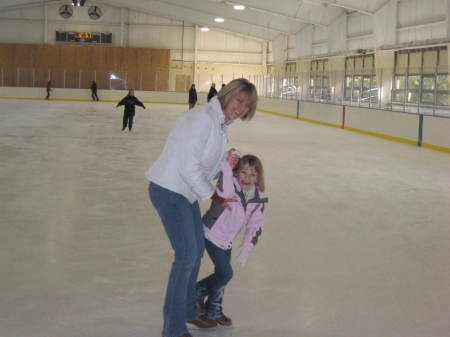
column 233, row 157
column 221, row 201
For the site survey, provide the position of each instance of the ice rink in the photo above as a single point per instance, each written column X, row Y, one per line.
column 356, row 244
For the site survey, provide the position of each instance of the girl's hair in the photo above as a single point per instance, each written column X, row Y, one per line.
column 235, row 87
column 255, row 163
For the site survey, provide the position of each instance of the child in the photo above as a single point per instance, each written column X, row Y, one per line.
column 48, row 89
column 130, row 101
column 239, row 202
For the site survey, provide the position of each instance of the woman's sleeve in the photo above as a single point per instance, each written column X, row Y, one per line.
column 194, row 135
column 225, row 186
column 254, row 228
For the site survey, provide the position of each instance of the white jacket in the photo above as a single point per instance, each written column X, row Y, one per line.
column 194, row 149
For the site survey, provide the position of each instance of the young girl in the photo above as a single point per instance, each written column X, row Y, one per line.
column 239, row 202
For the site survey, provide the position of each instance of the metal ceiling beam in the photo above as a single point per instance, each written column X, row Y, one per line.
column 336, row 4
column 265, row 11
column 31, row 4
column 118, row 3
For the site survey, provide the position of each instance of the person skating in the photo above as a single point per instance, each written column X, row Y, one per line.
column 180, row 177
column 192, row 96
column 94, row 91
column 239, row 202
column 130, row 101
column 212, row 91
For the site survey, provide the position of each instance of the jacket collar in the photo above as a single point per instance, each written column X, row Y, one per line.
column 218, row 112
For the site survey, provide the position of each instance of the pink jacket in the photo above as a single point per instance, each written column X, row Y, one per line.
column 222, row 225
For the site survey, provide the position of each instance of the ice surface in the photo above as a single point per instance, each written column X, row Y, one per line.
column 356, row 244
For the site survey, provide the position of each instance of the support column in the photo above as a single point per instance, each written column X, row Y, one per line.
column 384, row 67
column 45, row 28
column 194, row 70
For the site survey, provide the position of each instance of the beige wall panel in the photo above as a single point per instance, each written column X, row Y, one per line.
column 162, row 81
column 148, row 81
column 182, row 82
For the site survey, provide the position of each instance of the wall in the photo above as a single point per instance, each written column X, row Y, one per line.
column 132, row 29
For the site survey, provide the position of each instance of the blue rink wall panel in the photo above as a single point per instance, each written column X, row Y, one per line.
column 397, row 126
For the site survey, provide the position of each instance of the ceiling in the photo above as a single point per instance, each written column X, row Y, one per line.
column 262, row 19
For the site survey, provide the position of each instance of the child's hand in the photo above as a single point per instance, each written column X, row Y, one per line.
column 243, row 257
column 233, row 157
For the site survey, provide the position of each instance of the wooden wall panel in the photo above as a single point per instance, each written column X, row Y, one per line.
column 144, row 59
column 140, row 68
column 83, row 58
column 24, row 55
column 99, row 55
column 68, row 57
column 47, row 56
column 6, row 55
column 161, row 59
column 130, row 59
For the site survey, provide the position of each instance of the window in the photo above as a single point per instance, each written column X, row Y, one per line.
column 319, row 83
column 421, row 79
column 360, row 81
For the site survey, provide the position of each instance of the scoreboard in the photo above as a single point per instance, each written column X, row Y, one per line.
column 84, row 37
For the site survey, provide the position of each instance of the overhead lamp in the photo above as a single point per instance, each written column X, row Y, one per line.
column 78, row 3
column 219, row 19
column 239, row 7
column 204, row 29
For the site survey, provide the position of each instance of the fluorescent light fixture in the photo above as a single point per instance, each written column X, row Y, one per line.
column 204, row 29
column 113, row 77
column 239, row 7
column 219, row 19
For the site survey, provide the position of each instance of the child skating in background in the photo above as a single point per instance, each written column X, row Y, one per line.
column 239, row 202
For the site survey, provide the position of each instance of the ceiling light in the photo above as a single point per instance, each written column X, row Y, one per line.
column 204, row 29
column 239, row 7
column 219, row 19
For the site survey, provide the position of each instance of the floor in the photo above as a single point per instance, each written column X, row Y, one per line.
column 356, row 244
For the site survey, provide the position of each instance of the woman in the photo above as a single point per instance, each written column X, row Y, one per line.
column 180, row 177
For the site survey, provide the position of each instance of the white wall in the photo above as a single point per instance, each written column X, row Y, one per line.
column 395, row 24
column 436, row 131
column 383, row 122
column 325, row 113
column 132, row 29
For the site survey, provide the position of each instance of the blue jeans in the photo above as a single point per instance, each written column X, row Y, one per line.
column 183, row 225
column 213, row 286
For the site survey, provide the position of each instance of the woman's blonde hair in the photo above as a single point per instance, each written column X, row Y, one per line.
column 235, row 87
column 255, row 163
